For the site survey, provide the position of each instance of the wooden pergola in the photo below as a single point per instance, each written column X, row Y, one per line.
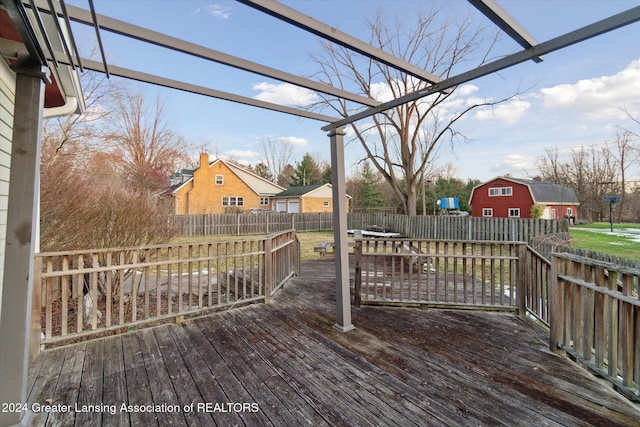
column 33, row 66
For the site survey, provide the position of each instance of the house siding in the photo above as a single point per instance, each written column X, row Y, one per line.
column 7, row 102
column 519, row 199
column 181, row 203
column 316, row 204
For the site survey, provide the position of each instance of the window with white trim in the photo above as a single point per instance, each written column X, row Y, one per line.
column 570, row 211
column 264, row 201
column 232, row 201
column 219, row 179
column 487, row 212
column 500, row 191
column 514, row 212
column 326, row 203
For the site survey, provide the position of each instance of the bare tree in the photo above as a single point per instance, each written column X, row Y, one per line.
column 277, row 153
column 69, row 135
column 589, row 171
column 628, row 156
column 142, row 143
column 401, row 142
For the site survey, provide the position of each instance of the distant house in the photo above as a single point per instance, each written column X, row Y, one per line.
column 217, row 187
column 505, row 197
column 307, row 198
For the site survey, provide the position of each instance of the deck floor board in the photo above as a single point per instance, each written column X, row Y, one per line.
column 400, row 366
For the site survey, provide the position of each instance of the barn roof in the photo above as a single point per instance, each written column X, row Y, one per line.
column 547, row 192
column 541, row 191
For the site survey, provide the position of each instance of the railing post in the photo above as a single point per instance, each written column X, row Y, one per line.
column 524, row 278
column 36, row 309
column 555, row 317
column 268, row 269
column 357, row 283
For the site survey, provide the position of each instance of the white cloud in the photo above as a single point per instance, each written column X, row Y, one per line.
column 216, row 10
column 242, row 153
column 381, row 92
column 468, row 89
column 513, row 163
column 284, row 94
column 295, row 141
column 598, row 97
column 509, row 112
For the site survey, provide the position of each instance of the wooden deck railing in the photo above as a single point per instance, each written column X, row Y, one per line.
column 537, row 274
column 595, row 317
column 463, row 274
column 90, row 292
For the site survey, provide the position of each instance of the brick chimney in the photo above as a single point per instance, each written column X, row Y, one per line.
column 204, row 160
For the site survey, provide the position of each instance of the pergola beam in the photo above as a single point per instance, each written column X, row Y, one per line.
column 305, row 22
column 200, row 90
column 149, row 36
column 608, row 24
column 506, row 23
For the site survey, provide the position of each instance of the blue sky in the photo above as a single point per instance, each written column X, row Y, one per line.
column 574, row 97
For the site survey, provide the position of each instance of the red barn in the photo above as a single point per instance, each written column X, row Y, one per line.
column 505, row 197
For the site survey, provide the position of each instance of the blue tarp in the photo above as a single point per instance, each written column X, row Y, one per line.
column 449, row 203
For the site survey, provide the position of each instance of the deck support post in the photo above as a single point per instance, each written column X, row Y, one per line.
column 17, row 285
column 340, row 238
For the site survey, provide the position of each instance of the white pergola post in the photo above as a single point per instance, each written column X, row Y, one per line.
column 17, row 285
column 340, row 238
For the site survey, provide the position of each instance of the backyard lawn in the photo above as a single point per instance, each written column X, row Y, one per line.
column 623, row 242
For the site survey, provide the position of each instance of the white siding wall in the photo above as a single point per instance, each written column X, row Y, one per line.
column 7, row 99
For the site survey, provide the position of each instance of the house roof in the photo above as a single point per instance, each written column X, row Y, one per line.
column 541, row 191
column 303, row 190
column 259, row 185
column 63, row 96
column 299, row 190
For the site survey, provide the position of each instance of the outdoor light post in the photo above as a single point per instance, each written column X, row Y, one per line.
column 612, row 199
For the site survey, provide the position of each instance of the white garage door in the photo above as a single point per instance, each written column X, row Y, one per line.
column 281, row 206
column 294, row 206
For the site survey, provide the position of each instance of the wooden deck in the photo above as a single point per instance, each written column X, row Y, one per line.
column 284, row 364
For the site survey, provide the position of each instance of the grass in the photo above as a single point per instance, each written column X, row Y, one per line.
column 607, row 226
column 309, row 240
column 584, row 237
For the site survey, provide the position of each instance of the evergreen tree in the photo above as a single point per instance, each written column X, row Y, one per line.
column 261, row 169
column 307, row 172
column 370, row 194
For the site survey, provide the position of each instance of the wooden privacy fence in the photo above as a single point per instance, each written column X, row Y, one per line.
column 415, row 227
column 81, row 293
column 450, row 227
column 248, row 223
column 454, row 274
column 595, row 317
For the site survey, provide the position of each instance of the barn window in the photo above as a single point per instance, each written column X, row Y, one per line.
column 514, row 212
column 219, row 179
column 500, row 191
column 326, row 204
column 487, row 212
column 264, row 201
